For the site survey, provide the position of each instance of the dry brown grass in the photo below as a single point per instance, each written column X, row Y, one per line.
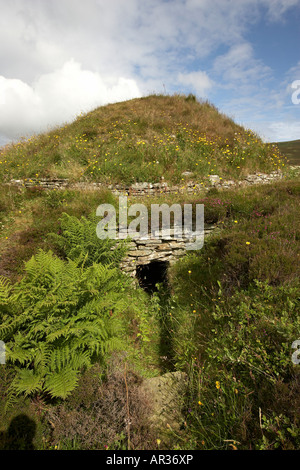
column 96, row 416
column 176, row 133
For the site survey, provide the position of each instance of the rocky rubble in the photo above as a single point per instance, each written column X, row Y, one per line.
column 161, row 248
column 145, row 188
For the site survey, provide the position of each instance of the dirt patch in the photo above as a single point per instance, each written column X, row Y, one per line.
column 167, row 395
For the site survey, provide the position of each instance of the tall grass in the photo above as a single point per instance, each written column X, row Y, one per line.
column 231, row 312
column 142, row 140
column 236, row 315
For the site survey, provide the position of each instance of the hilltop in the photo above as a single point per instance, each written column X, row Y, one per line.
column 89, row 352
column 144, row 139
column 291, row 150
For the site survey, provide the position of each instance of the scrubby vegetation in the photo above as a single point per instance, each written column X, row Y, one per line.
column 291, row 150
column 143, row 140
column 81, row 338
column 240, row 296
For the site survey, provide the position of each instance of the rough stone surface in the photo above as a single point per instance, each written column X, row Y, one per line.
column 214, row 179
column 145, row 188
column 162, row 246
column 166, row 393
column 168, row 249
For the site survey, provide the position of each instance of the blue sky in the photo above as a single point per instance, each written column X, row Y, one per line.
column 59, row 58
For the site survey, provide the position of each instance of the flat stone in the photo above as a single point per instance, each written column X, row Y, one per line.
column 132, row 248
column 128, row 268
column 175, row 245
column 149, row 241
column 168, row 233
column 139, row 253
column 16, row 181
column 167, row 394
column 179, row 252
column 140, row 186
column 145, row 260
column 153, row 246
column 131, row 244
column 228, row 183
column 165, row 255
column 214, row 179
column 164, row 247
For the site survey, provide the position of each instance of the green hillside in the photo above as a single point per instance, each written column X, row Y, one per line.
column 142, row 140
column 291, row 150
column 82, row 339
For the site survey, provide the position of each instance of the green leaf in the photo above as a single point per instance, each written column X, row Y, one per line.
column 61, row 384
column 27, row 382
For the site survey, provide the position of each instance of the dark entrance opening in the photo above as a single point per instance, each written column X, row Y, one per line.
column 151, row 274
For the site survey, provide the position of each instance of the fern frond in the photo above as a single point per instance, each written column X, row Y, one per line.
column 62, row 317
column 79, row 238
column 11, row 400
column 61, row 384
column 42, row 357
column 5, row 290
column 27, row 382
column 18, row 355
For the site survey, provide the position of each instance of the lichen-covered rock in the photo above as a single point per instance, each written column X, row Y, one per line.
column 166, row 393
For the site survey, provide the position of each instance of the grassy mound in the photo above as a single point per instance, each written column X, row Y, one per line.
column 227, row 320
column 142, row 140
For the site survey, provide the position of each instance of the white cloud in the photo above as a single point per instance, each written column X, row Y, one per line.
column 275, row 131
column 198, row 81
column 239, row 66
column 277, row 8
column 125, row 49
column 37, row 35
column 57, row 97
column 283, row 131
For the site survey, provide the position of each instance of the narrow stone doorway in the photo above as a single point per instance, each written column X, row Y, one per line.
column 149, row 275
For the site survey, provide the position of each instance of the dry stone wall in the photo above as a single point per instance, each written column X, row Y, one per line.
column 161, row 248
column 164, row 247
column 145, row 189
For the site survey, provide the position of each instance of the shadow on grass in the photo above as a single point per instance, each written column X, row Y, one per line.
column 153, row 278
column 19, row 435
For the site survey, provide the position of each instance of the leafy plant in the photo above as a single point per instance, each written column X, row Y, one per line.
column 77, row 237
column 253, row 332
column 279, row 433
column 59, row 319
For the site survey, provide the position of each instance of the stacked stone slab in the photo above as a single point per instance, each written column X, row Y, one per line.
column 151, row 189
column 168, row 247
column 162, row 247
column 42, row 183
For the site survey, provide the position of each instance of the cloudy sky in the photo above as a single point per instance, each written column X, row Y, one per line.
column 59, row 58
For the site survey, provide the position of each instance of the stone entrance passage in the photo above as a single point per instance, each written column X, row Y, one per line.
column 148, row 275
column 148, row 258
